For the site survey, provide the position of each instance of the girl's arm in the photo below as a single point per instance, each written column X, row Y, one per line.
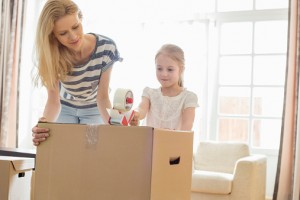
column 140, row 112
column 143, row 108
column 103, row 100
column 188, row 117
column 53, row 106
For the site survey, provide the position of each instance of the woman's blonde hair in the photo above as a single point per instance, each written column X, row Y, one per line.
column 53, row 59
column 176, row 54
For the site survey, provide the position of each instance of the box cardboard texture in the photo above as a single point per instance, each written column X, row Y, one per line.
column 113, row 163
column 15, row 178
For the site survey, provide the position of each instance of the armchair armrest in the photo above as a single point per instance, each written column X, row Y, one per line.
column 250, row 178
column 193, row 161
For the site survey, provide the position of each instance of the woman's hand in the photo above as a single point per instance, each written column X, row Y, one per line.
column 39, row 134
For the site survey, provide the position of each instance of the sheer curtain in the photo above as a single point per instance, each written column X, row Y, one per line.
column 287, row 178
column 11, row 18
column 139, row 31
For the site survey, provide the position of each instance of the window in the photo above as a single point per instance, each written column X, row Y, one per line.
column 251, row 74
column 235, row 61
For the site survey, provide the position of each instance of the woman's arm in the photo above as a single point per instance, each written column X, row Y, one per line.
column 188, row 117
column 103, row 100
column 53, row 106
column 51, row 111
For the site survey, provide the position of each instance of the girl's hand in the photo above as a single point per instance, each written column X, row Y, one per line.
column 135, row 120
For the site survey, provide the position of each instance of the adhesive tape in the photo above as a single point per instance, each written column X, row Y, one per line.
column 123, row 99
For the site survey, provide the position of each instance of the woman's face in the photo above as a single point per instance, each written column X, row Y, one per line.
column 167, row 71
column 68, row 31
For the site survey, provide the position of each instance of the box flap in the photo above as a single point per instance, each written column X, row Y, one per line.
column 172, row 164
column 23, row 164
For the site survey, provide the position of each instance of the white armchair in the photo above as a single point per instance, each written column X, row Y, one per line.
column 227, row 170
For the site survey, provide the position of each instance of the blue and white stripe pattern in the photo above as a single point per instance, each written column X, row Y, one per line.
column 79, row 89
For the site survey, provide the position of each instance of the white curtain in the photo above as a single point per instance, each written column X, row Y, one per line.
column 11, row 18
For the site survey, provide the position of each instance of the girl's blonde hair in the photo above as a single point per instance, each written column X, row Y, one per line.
column 54, row 60
column 176, row 54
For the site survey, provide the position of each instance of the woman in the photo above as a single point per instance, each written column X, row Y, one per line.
column 74, row 66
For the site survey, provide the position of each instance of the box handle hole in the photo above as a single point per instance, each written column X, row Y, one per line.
column 21, row 174
column 174, row 160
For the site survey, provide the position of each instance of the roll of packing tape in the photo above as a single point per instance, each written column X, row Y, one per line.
column 123, row 100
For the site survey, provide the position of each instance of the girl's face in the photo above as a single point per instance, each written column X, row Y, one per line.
column 68, row 31
column 167, row 71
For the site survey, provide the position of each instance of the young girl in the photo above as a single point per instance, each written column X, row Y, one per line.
column 171, row 106
column 74, row 66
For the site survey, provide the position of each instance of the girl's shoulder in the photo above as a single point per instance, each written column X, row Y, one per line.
column 191, row 98
column 189, row 92
column 151, row 92
column 148, row 89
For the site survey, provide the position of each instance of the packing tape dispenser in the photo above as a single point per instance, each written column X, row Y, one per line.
column 121, row 113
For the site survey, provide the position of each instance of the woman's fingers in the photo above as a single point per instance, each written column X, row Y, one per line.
column 39, row 130
column 39, row 135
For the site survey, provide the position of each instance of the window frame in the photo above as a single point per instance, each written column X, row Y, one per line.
column 217, row 19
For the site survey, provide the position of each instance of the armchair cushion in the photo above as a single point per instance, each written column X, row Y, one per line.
column 212, row 182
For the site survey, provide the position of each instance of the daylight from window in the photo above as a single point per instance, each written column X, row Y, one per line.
column 235, row 61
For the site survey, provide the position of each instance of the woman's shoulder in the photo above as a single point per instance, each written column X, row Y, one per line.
column 103, row 38
column 106, row 45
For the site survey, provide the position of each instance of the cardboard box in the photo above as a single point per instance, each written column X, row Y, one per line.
column 15, row 181
column 103, row 162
